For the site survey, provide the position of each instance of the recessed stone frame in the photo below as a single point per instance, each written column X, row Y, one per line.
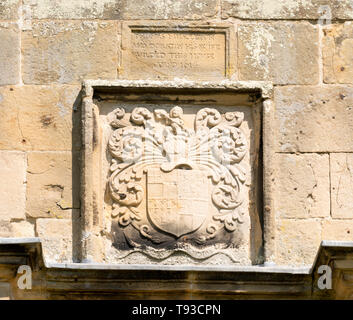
column 186, row 50
column 97, row 244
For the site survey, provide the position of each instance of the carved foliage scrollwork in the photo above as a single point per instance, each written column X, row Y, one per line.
column 216, row 145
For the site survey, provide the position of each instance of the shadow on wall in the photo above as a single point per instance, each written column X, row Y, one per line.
column 76, row 184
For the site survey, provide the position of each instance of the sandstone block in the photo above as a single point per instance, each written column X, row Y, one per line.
column 5, row 229
column 337, row 230
column 39, row 117
column 337, row 53
column 12, row 186
column 22, row 229
column 169, row 9
column 297, row 241
column 287, row 9
column 341, row 185
column 282, row 52
column 314, row 119
column 121, row 9
column 303, row 186
column 18, row 229
column 69, row 51
column 9, row 9
column 49, row 185
column 56, row 235
column 9, row 53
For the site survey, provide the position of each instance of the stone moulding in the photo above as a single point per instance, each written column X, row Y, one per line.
column 104, row 281
column 92, row 245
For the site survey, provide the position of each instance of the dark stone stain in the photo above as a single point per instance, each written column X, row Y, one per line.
column 339, row 40
column 55, row 187
column 95, row 132
column 125, row 238
column 95, row 210
column 46, row 120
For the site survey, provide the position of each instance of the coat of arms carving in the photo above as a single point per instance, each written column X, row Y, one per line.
column 175, row 186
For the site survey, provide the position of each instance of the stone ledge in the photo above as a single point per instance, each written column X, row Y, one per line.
column 266, row 87
column 187, row 268
column 78, row 281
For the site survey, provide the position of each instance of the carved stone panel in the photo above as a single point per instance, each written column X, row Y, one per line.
column 178, row 178
column 159, row 51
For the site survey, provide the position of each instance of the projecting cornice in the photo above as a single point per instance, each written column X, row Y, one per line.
column 79, row 280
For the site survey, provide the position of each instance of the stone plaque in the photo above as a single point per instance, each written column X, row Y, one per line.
column 183, row 51
column 170, row 176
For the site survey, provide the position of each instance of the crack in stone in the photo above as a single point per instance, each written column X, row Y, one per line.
column 340, row 182
column 310, row 197
column 63, row 208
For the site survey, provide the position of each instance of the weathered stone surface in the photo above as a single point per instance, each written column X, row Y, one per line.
column 168, row 9
column 297, row 241
column 303, row 186
column 53, row 228
column 39, row 117
column 9, row 53
column 68, row 51
column 122, row 9
column 194, row 211
column 64, row 42
column 341, row 185
column 287, row 9
column 9, row 9
column 12, row 186
column 170, row 183
column 49, row 185
column 5, row 229
column 22, row 229
column 337, row 53
column 56, row 235
column 16, row 229
column 337, row 230
column 166, row 50
column 314, row 119
column 282, row 52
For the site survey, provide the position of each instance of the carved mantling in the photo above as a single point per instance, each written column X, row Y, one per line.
column 176, row 188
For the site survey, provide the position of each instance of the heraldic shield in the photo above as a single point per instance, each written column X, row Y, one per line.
column 177, row 201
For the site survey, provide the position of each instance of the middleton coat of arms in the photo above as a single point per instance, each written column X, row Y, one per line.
column 172, row 185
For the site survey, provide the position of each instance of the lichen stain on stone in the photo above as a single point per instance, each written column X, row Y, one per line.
column 270, row 8
column 258, row 45
column 71, row 9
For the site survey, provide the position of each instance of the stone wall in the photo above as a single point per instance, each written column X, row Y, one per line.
column 303, row 47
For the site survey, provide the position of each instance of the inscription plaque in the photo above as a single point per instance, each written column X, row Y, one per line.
column 166, row 52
